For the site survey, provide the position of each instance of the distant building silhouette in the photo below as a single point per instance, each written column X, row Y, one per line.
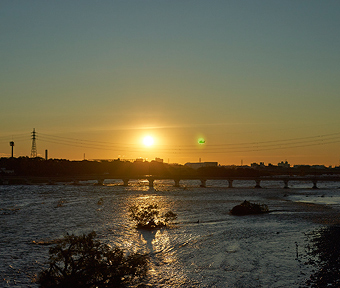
column 284, row 164
column 201, row 164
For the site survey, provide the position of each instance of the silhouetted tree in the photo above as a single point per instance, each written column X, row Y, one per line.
column 83, row 262
column 324, row 253
column 149, row 217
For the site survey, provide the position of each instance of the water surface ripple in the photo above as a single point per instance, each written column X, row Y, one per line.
column 206, row 248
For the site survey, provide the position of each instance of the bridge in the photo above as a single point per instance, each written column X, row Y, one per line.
column 313, row 179
column 11, row 179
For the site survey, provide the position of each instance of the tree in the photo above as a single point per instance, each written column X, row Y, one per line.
column 82, row 261
column 148, row 216
column 324, row 253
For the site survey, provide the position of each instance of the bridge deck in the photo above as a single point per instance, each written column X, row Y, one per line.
column 10, row 179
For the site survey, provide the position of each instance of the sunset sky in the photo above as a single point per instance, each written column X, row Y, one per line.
column 257, row 80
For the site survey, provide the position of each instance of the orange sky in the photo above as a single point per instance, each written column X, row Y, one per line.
column 258, row 80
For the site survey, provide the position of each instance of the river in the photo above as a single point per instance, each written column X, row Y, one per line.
column 207, row 247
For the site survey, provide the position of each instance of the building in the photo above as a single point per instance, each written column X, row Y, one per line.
column 284, row 164
column 201, row 164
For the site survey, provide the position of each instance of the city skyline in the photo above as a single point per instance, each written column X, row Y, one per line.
column 258, row 81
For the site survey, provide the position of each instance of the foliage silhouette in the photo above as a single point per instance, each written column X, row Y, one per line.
column 148, row 216
column 82, row 261
column 247, row 208
column 324, row 252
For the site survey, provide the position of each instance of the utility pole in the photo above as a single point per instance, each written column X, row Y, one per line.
column 12, row 145
column 34, row 145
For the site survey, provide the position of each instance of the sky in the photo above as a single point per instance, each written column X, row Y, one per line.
column 257, row 80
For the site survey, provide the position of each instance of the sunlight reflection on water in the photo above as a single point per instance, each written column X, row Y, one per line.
column 206, row 248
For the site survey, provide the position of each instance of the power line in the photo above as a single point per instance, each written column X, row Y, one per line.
column 16, row 137
column 111, row 144
column 87, row 146
column 300, row 142
column 92, row 144
column 214, row 148
column 282, row 140
column 76, row 139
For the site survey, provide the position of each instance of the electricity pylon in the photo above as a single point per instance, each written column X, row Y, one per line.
column 34, row 145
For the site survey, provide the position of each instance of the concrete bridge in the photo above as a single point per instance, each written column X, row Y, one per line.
column 151, row 179
column 285, row 180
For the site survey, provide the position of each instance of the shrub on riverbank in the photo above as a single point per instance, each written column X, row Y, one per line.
column 323, row 252
column 83, row 262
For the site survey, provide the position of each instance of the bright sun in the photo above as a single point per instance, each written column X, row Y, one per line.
column 148, row 141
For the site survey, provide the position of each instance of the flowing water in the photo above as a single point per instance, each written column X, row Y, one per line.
column 207, row 247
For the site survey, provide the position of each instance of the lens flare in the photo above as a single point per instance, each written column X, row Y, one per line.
column 201, row 141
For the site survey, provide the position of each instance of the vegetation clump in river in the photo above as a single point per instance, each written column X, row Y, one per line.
column 149, row 217
column 248, row 208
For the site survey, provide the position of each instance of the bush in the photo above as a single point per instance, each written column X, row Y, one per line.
column 82, row 261
column 324, row 253
column 247, row 208
column 148, row 216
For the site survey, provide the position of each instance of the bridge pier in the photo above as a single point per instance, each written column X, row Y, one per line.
column 286, row 184
column 230, row 183
column 177, row 182
column 203, row 183
column 50, row 182
column 100, row 182
column 315, row 182
column 4, row 182
column 151, row 180
column 258, row 183
column 75, row 182
column 125, row 181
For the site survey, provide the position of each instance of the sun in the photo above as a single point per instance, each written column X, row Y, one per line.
column 148, row 141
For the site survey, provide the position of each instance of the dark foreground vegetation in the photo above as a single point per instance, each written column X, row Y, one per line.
column 84, row 262
column 323, row 252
